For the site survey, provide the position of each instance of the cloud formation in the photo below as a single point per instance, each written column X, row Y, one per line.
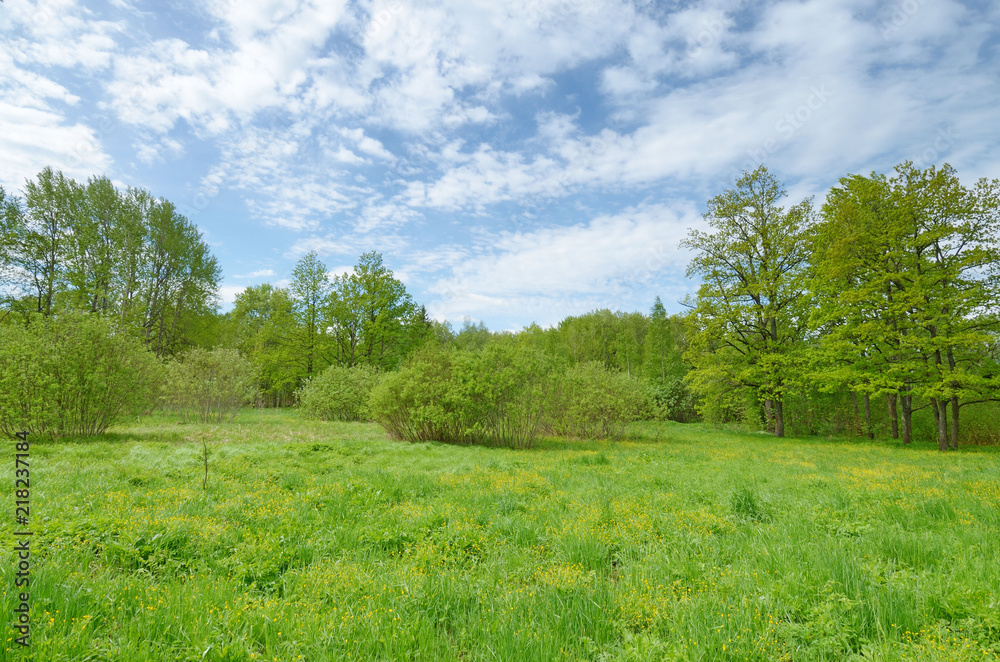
column 513, row 163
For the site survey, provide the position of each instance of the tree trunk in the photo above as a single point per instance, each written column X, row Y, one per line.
column 906, row 401
column 779, row 419
column 954, row 422
column 857, row 415
column 768, row 415
column 868, row 417
column 890, row 399
column 941, row 415
column 954, row 400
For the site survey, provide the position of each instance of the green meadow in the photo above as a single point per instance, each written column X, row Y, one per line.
column 328, row 541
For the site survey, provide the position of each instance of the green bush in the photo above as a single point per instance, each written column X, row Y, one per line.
column 339, row 393
column 209, row 385
column 496, row 396
column 501, row 394
column 411, row 402
column 591, row 402
column 72, row 375
column 672, row 400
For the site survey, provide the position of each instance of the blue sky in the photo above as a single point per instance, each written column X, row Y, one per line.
column 513, row 162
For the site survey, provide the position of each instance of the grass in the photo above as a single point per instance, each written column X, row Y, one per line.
column 321, row 541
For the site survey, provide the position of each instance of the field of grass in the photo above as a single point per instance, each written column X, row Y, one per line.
column 320, row 541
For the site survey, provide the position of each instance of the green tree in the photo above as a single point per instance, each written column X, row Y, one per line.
column 72, row 374
column 373, row 317
column 310, row 290
column 749, row 308
column 262, row 326
column 906, row 273
column 69, row 246
column 209, row 385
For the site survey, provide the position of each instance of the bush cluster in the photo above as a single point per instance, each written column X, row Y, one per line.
column 339, row 393
column 209, row 385
column 494, row 397
column 503, row 395
column 592, row 402
column 73, row 374
column 672, row 401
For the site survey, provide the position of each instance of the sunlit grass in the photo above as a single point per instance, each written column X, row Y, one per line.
column 325, row 541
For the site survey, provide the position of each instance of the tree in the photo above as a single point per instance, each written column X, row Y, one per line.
column 72, row 374
column 69, row 246
column 310, row 289
column 906, row 289
column 749, row 308
column 261, row 326
column 373, row 317
column 385, row 307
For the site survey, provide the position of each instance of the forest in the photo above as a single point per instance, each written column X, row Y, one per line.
column 872, row 315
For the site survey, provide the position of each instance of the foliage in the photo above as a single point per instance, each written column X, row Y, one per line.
column 72, row 374
column 496, row 397
column 411, row 403
column 261, row 327
column 672, row 400
column 592, row 402
column 372, row 316
column 310, row 290
column 648, row 348
column 906, row 283
column 122, row 254
column 209, row 385
column 749, row 310
column 363, row 317
column 339, row 393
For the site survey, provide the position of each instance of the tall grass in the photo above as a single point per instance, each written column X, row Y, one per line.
column 327, row 541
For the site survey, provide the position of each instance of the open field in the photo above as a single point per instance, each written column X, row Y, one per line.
column 322, row 541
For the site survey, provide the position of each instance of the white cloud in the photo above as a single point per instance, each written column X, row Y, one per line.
column 407, row 127
column 38, row 126
column 265, row 61
column 549, row 273
column 260, row 273
column 228, row 293
column 799, row 104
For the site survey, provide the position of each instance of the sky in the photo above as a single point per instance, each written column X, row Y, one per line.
column 512, row 162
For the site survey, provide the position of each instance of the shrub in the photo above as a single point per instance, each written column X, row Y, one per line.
column 501, row 394
column 209, row 385
column 339, row 393
column 591, row 402
column 74, row 374
column 495, row 397
column 672, row 400
column 411, row 402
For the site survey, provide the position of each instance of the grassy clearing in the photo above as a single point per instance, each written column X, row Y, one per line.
column 324, row 541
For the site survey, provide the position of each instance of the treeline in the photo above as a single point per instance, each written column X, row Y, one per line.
column 362, row 318
column 848, row 319
column 889, row 291
column 646, row 348
column 122, row 254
